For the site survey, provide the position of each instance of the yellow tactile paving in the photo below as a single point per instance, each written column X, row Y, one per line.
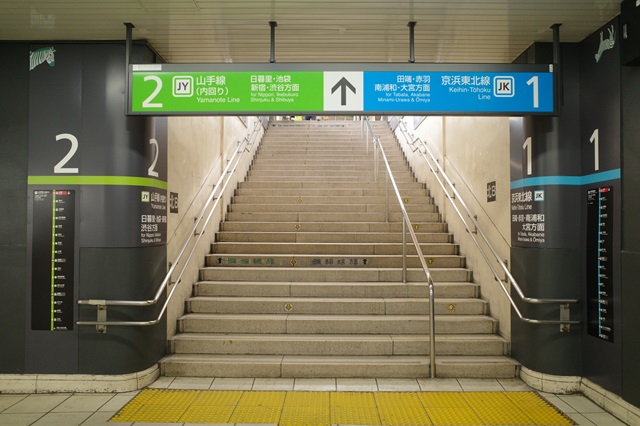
column 354, row 408
column 331, row 408
column 256, row 414
column 401, row 408
column 443, row 399
column 218, row 398
column 296, row 416
column 208, row 414
column 259, row 407
column 493, row 407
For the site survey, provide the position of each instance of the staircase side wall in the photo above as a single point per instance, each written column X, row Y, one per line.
column 474, row 151
column 199, row 148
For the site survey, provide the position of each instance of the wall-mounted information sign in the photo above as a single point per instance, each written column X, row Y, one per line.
column 600, row 262
column 266, row 89
column 528, row 218
column 53, row 260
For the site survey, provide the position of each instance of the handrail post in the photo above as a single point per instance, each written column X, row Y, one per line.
column 367, row 138
column 432, row 329
column 375, row 161
column 407, row 226
column 404, row 250
column 386, row 203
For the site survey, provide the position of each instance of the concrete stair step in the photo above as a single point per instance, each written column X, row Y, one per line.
column 350, row 250
column 310, row 159
column 302, row 207
column 329, row 306
column 481, row 367
column 336, row 344
column 292, row 185
column 328, row 227
column 334, row 290
column 322, row 192
column 328, row 217
column 305, row 261
column 293, row 366
column 346, row 173
column 333, row 324
column 325, row 199
column 347, row 181
column 332, row 274
column 300, row 366
column 329, row 237
column 335, row 166
column 325, row 165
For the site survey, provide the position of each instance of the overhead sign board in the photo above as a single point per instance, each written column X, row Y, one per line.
column 276, row 89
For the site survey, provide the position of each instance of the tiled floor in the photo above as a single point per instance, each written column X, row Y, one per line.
column 97, row 409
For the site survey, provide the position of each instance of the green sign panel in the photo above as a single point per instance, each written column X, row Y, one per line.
column 204, row 92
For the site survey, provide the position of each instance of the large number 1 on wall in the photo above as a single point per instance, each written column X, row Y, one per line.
column 595, row 140
column 527, row 147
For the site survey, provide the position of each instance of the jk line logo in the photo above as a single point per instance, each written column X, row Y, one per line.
column 182, row 86
column 504, row 87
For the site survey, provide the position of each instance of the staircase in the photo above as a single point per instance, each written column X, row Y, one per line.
column 305, row 277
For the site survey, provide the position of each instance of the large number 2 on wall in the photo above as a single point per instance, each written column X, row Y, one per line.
column 156, row 151
column 60, row 167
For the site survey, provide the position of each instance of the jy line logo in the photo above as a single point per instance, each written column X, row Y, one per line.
column 182, row 86
column 504, row 87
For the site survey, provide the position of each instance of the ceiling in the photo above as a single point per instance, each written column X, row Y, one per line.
column 213, row 31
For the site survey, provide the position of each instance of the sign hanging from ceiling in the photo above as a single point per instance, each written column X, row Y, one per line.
column 324, row 89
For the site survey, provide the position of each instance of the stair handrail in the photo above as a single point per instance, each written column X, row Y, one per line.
column 438, row 170
column 244, row 145
column 406, row 224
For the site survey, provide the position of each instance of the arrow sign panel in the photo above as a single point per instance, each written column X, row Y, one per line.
column 343, row 84
column 343, row 91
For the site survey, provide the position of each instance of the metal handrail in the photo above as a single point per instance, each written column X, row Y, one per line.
column 194, row 238
column 438, row 170
column 406, row 223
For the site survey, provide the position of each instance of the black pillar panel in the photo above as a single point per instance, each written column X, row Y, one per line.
column 630, row 267
column 82, row 146
column 601, row 206
column 121, row 274
column 543, row 348
column 631, row 158
column 14, row 140
column 55, row 124
column 545, row 223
